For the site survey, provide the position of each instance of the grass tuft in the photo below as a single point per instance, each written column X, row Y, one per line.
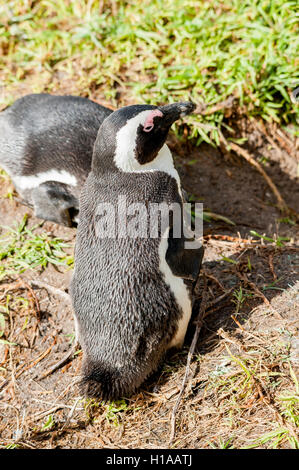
column 22, row 249
column 159, row 51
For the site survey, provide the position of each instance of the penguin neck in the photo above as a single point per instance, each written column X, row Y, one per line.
column 127, row 163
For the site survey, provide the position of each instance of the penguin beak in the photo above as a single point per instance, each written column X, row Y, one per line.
column 173, row 112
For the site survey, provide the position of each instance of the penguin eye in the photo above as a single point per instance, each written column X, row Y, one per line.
column 148, row 128
column 149, row 123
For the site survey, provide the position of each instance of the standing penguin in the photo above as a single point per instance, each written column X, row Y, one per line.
column 46, row 145
column 131, row 296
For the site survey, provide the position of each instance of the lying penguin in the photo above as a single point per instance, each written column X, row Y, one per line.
column 132, row 297
column 46, row 145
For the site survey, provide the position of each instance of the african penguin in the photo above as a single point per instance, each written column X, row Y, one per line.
column 46, row 145
column 132, row 297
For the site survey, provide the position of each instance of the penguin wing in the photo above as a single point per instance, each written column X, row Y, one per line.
column 184, row 262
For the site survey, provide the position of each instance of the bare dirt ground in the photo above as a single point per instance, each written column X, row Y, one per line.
column 241, row 387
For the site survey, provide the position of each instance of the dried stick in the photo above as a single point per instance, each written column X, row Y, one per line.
column 199, row 323
column 23, row 368
column 228, row 238
column 32, row 296
column 202, row 107
column 53, row 290
column 217, row 300
column 210, row 276
column 241, row 151
column 244, row 278
column 10, row 286
column 259, row 125
column 286, row 142
column 60, row 363
column 270, row 259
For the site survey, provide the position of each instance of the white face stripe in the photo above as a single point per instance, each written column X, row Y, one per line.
column 33, row 181
column 180, row 292
column 125, row 159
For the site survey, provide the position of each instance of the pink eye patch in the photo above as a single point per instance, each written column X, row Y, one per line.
column 149, row 123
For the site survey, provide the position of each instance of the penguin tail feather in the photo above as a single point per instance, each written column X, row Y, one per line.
column 101, row 381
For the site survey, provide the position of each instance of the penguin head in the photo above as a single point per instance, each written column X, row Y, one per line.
column 130, row 138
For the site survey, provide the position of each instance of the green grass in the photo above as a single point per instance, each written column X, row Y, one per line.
column 21, row 249
column 245, row 382
column 223, row 444
column 112, row 410
column 158, row 51
column 288, row 405
column 275, row 439
column 239, row 297
column 279, row 241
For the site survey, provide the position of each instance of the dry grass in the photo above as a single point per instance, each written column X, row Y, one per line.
column 242, row 390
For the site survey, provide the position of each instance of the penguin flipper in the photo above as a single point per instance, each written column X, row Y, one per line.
column 53, row 201
column 183, row 262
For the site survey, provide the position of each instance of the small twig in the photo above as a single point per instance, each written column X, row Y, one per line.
column 223, row 334
column 42, row 414
column 251, row 335
column 42, row 356
column 202, row 108
column 272, row 266
column 210, row 276
column 244, row 278
column 113, row 8
column 70, row 415
column 199, row 323
column 259, row 125
column 217, row 300
column 237, row 323
column 60, row 363
column 284, row 143
column 23, row 368
column 228, row 238
column 9, row 286
column 241, row 151
column 53, row 290
column 283, row 422
column 75, row 381
column 31, row 295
